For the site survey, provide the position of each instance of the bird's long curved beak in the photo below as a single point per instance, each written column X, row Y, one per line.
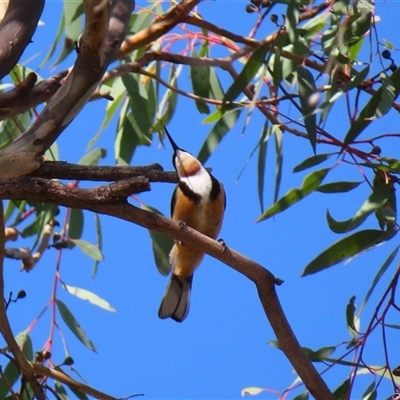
column 173, row 144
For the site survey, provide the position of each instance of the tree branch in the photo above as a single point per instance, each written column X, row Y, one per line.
column 5, row 328
column 29, row 189
column 104, row 30
column 27, row 95
column 16, row 31
column 158, row 28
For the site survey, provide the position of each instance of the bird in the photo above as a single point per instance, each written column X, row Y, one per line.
column 199, row 202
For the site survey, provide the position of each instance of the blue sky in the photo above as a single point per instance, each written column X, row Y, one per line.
column 222, row 346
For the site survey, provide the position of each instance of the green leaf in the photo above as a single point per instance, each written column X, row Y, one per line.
column 126, row 139
column 262, row 158
column 349, row 246
column 302, row 396
column 118, row 92
column 378, row 277
column 307, row 88
column 75, row 225
column 278, row 135
column 277, row 68
column 248, row 72
column 99, row 237
column 374, row 201
column 11, row 371
column 161, row 245
column 60, row 390
column 310, row 183
column 342, row 392
column 140, row 121
column 89, row 249
column 355, row 80
column 200, row 76
column 89, row 296
column 73, row 325
column 93, row 157
column 376, row 107
column 216, row 91
column 217, row 133
column 350, row 317
column 338, row 187
column 311, row 162
column 370, row 393
column 169, row 101
column 291, row 20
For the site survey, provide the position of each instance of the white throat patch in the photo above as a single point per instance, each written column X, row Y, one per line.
column 200, row 183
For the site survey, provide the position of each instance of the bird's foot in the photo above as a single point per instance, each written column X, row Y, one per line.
column 182, row 225
column 224, row 246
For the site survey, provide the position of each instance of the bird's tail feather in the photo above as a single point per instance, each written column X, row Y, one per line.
column 176, row 300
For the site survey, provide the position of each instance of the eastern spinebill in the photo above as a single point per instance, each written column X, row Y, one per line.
column 199, row 202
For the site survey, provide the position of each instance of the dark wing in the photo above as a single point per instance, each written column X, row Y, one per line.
column 173, row 201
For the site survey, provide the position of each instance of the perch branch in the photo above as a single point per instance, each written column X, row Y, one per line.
column 263, row 279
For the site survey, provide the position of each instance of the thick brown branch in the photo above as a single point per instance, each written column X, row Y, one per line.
column 158, row 28
column 16, row 31
column 63, row 170
column 26, row 96
column 39, row 189
column 263, row 279
column 98, row 45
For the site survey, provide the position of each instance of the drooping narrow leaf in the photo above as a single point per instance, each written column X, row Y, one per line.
column 60, row 390
column 349, row 246
column 217, row 133
column 248, row 72
column 256, row 94
column 310, row 183
column 342, row 392
column 141, row 122
column 350, row 316
column 75, row 225
column 99, row 237
column 200, row 76
column 338, row 187
column 370, row 110
column 312, row 162
column 89, row 296
column 376, row 200
column 370, row 393
column 278, row 74
column 118, row 92
column 161, row 245
column 169, row 101
column 307, row 88
column 291, row 20
column 73, row 325
column 378, row 277
column 89, row 249
column 303, row 396
column 126, row 139
column 11, row 371
column 278, row 135
column 93, row 157
column 262, row 160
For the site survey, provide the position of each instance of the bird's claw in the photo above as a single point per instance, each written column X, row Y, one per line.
column 182, row 225
column 223, row 244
